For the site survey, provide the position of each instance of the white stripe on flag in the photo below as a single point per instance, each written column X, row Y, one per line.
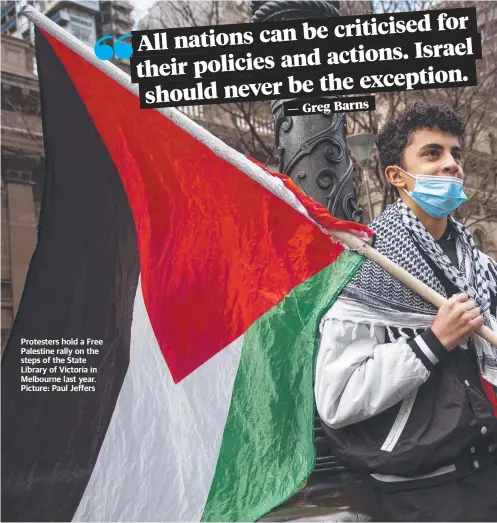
column 159, row 455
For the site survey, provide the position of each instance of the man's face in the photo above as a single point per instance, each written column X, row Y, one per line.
column 432, row 152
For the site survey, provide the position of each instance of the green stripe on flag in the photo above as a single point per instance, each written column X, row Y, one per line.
column 267, row 451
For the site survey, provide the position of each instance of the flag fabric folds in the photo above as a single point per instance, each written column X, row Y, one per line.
column 204, row 277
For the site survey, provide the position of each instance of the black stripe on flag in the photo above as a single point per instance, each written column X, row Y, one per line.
column 81, row 284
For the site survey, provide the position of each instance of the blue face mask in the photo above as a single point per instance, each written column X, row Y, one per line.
column 437, row 195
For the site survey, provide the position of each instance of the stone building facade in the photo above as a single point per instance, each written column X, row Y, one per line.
column 22, row 171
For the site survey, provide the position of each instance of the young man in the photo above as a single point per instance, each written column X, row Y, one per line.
column 405, row 392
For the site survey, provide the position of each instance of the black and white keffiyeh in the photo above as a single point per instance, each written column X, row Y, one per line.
column 401, row 237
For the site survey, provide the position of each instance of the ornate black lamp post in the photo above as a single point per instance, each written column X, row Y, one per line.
column 312, row 150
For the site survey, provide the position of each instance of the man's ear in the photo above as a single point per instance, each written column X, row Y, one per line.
column 394, row 176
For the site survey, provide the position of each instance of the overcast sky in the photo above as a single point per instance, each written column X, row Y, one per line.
column 141, row 8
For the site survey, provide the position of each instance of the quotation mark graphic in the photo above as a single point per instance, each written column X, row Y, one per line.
column 121, row 49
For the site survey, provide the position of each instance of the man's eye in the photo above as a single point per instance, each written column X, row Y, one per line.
column 457, row 156
column 432, row 153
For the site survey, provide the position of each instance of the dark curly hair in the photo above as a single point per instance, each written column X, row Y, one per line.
column 395, row 135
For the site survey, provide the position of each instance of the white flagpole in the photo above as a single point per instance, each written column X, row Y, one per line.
column 351, row 241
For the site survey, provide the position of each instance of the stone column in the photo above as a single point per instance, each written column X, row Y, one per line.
column 22, row 235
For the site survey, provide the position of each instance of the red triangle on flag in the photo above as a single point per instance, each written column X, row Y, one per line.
column 217, row 249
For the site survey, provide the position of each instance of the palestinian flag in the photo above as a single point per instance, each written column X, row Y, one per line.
column 204, row 276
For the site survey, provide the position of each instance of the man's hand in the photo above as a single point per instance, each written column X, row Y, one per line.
column 456, row 320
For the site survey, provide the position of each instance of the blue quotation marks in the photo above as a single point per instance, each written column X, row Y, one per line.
column 121, row 49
